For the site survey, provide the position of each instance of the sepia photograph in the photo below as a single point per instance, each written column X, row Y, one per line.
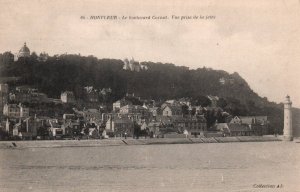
column 151, row 96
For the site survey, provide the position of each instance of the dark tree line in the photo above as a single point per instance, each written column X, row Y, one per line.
column 162, row 81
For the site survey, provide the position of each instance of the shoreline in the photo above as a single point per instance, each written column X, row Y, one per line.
column 130, row 141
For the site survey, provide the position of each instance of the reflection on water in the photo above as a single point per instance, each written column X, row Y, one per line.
column 196, row 167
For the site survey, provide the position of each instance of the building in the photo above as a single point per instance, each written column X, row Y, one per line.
column 91, row 114
column 67, row 97
column 56, row 130
column 132, row 65
column 239, row 130
column 26, row 89
column 144, row 67
column 250, row 120
column 15, row 111
column 4, row 88
column 153, row 127
column 67, row 117
column 222, row 81
column 127, row 109
column 16, row 129
column 24, row 129
column 25, row 135
column 91, row 94
column 32, row 124
column 28, row 128
column 165, row 121
column 198, row 110
column 169, row 102
column 94, row 133
column 214, row 100
column 71, row 127
column 106, row 116
column 24, row 52
column 104, row 93
column 222, row 127
column 8, row 127
column 185, row 101
column 259, row 124
column 134, row 117
column 27, row 94
column 172, row 110
column 120, row 103
column 194, row 125
column 154, row 111
column 120, row 126
column 3, row 96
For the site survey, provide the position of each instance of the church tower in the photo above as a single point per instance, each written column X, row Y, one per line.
column 288, row 127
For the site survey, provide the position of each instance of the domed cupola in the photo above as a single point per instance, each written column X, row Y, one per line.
column 24, row 51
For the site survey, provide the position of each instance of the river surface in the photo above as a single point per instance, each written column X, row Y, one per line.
column 247, row 167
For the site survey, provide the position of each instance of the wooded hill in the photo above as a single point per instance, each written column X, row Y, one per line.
column 159, row 82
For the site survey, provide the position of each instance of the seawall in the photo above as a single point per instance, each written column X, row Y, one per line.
column 124, row 142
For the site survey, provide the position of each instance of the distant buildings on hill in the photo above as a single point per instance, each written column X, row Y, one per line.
column 132, row 65
column 24, row 52
column 67, row 97
column 224, row 81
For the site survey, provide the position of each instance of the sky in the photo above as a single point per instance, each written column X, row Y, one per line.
column 259, row 39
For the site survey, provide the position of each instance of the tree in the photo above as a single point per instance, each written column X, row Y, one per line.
column 161, row 82
column 136, row 130
column 134, row 100
column 185, row 109
column 6, row 58
column 42, row 131
column 86, row 131
column 202, row 100
column 221, row 103
column 34, row 56
column 3, row 134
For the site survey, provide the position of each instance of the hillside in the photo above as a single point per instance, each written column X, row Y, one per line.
column 159, row 82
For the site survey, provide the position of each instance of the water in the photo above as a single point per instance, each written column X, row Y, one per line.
column 187, row 167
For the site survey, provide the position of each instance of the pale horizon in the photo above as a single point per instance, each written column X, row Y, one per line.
column 258, row 39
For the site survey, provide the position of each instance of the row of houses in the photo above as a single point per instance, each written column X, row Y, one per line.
column 120, row 125
column 70, row 126
column 92, row 95
column 15, row 111
column 125, row 118
column 27, row 94
column 48, row 128
column 233, row 129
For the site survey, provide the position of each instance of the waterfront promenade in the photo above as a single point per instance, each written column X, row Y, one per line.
column 131, row 141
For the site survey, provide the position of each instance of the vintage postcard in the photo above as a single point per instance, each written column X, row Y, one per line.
column 128, row 95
